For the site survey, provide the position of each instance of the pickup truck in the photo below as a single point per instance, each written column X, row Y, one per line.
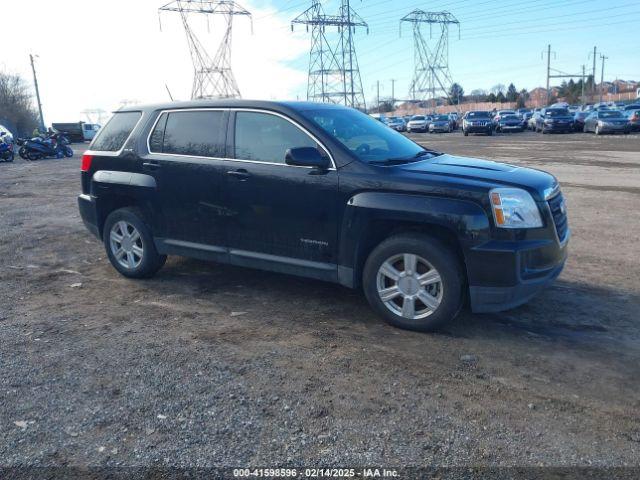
column 325, row 192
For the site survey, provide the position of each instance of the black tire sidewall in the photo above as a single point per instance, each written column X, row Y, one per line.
column 151, row 260
column 438, row 255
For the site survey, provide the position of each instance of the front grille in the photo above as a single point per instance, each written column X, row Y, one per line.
column 559, row 214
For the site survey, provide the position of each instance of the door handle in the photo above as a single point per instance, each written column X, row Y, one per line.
column 151, row 165
column 241, row 174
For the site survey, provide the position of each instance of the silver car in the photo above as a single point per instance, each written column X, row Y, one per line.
column 607, row 121
column 418, row 123
column 440, row 123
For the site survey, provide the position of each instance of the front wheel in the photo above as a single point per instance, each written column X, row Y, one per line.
column 466, row 134
column 68, row 152
column 129, row 244
column 414, row 282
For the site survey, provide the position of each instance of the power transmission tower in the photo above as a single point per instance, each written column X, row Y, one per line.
column 334, row 76
column 431, row 62
column 212, row 77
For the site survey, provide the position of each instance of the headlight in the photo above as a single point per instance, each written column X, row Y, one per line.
column 514, row 208
column 600, row 123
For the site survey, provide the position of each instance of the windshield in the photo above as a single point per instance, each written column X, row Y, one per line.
column 366, row 138
column 610, row 115
column 417, row 117
column 441, row 118
column 478, row 115
column 511, row 117
column 557, row 112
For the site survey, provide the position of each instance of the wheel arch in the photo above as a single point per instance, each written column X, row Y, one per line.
column 375, row 216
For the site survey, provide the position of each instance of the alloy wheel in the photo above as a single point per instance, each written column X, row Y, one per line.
column 126, row 244
column 409, row 286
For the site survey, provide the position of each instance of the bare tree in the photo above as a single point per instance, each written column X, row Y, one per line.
column 496, row 89
column 17, row 111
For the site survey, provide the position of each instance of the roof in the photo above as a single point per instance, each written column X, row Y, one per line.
column 231, row 103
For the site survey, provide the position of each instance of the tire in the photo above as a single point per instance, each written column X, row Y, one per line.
column 68, row 152
column 489, row 133
column 141, row 262
column 465, row 133
column 431, row 255
column 33, row 155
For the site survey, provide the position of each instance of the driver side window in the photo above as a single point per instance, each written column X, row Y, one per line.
column 265, row 137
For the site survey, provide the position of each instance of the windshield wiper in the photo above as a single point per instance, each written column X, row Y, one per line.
column 402, row 160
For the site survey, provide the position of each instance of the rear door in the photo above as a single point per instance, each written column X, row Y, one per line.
column 186, row 150
column 278, row 212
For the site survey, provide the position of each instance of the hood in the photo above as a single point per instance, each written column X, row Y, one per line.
column 536, row 182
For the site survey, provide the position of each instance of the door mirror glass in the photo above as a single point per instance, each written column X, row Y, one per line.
column 305, row 157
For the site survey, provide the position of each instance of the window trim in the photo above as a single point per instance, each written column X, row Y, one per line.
column 106, row 153
column 230, row 158
column 175, row 110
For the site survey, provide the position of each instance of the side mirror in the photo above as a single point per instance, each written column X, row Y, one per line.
column 306, row 157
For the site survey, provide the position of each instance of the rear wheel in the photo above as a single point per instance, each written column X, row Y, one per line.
column 129, row 244
column 414, row 282
column 466, row 134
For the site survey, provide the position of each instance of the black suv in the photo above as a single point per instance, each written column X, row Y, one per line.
column 326, row 192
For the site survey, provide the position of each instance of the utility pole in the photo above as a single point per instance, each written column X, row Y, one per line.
column 603, row 58
column 593, row 87
column 35, row 82
column 548, row 70
column 583, row 80
column 393, row 92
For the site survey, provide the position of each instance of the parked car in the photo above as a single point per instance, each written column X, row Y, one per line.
column 418, row 123
column 525, row 119
column 578, row 120
column 533, row 121
column 522, row 111
column 554, row 120
column 326, row 192
column 397, row 123
column 500, row 114
column 509, row 123
column 607, row 121
column 477, row 121
column 453, row 120
column 632, row 106
column 440, row 123
column 634, row 119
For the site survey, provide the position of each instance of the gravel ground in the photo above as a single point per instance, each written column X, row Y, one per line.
column 210, row 365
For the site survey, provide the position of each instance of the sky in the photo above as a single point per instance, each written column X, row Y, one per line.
column 100, row 54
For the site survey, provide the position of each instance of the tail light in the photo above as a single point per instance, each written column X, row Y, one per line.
column 86, row 162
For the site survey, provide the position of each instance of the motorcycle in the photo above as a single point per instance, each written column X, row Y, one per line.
column 6, row 148
column 52, row 145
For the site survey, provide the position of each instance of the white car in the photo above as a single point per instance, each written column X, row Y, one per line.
column 418, row 123
column 7, row 134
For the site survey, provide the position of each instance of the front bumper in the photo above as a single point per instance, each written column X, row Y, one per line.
column 478, row 128
column 527, row 268
column 439, row 128
column 417, row 128
column 615, row 128
column 89, row 213
column 511, row 128
column 558, row 127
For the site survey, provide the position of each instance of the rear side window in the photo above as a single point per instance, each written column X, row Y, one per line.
column 112, row 137
column 265, row 138
column 193, row 133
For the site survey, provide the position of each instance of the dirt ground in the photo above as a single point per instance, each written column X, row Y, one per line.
column 217, row 365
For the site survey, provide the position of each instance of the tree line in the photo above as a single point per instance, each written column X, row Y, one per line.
column 17, row 110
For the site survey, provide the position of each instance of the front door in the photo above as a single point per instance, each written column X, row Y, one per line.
column 277, row 212
column 186, row 149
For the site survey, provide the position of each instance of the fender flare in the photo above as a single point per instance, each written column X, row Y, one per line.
column 465, row 219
